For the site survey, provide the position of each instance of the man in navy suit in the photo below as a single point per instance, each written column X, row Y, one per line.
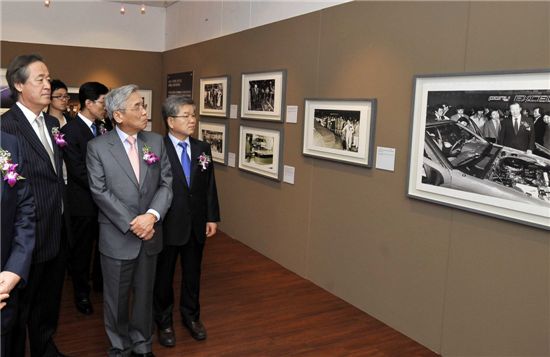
column 29, row 82
column 17, row 241
column 518, row 131
column 191, row 218
column 81, row 206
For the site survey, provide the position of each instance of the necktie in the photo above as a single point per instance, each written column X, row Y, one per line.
column 133, row 155
column 516, row 125
column 185, row 162
column 94, row 129
column 42, row 136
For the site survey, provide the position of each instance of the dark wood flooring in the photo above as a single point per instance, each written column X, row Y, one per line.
column 251, row 306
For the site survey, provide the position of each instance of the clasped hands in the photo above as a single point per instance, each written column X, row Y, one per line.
column 8, row 281
column 142, row 226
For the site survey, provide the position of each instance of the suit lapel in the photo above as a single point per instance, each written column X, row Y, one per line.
column 85, row 129
column 143, row 166
column 175, row 162
column 29, row 134
column 119, row 153
column 195, row 152
column 56, row 152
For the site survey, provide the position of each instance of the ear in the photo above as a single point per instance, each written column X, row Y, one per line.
column 117, row 117
column 170, row 122
column 88, row 102
column 18, row 87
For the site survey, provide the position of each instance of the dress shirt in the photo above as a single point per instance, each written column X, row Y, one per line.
column 87, row 121
column 31, row 117
column 178, row 148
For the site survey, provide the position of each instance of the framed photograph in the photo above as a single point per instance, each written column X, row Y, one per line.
column 473, row 144
column 261, row 151
column 263, row 95
column 147, row 97
column 6, row 100
column 340, row 130
column 214, row 96
column 215, row 133
column 73, row 107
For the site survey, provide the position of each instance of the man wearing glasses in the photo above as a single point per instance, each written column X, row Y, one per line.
column 131, row 183
column 81, row 206
column 60, row 102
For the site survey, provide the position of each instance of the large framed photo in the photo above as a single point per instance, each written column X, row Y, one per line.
column 473, row 144
column 340, row 130
column 263, row 95
column 214, row 132
column 214, row 96
column 261, row 151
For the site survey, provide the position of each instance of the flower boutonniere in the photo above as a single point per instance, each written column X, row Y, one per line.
column 149, row 156
column 102, row 129
column 8, row 168
column 58, row 137
column 204, row 161
column 526, row 126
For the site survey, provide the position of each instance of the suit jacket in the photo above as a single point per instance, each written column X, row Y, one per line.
column 47, row 185
column 120, row 198
column 79, row 197
column 18, row 220
column 523, row 140
column 191, row 206
column 540, row 129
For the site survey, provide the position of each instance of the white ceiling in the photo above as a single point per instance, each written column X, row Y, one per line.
column 148, row 3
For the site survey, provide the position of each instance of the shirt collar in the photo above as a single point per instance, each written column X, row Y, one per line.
column 31, row 117
column 176, row 141
column 122, row 135
column 85, row 120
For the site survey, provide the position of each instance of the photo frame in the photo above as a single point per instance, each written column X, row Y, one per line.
column 261, row 151
column 214, row 96
column 5, row 92
column 263, row 95
column 455, row 158
column 215, row 132
column 340, row 130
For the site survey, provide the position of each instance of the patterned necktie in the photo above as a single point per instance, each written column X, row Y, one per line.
column 185, row 162
column 94, row 129
column 42, row 136
column 133, row 155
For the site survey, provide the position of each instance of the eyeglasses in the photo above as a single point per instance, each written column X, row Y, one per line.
column 99, row 102
column 61, row 97
column 139, row 106
column 184, row 116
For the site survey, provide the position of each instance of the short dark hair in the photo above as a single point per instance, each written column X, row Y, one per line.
column 17, row 71
column 57, row 84
column 172, row 104
column 91, row 91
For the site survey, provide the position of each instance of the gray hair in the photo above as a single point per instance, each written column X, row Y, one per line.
column 172, row 106
column 116, row 99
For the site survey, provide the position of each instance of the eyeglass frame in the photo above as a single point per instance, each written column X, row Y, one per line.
column 61, row 97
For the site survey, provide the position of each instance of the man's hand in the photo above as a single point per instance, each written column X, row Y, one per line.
column 142, row 226
column 8, row 280
column 211, row 228
column 2, row 298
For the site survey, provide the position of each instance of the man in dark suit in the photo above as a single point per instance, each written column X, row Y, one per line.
column 517, row 132
column 133, row 192
column 18, row 224
column 191, row 218
column 29, row 81
column 81, row 206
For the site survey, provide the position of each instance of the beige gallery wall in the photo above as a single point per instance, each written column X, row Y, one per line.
column 458, row 282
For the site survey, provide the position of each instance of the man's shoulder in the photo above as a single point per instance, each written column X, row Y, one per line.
column 151, row 136
column 7, row 141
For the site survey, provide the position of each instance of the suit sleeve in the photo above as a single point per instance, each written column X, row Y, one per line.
column 163, row 197
column 213, row 207
column 532, row 136
column 23, row 239
column 72, row 153
column 109, row 204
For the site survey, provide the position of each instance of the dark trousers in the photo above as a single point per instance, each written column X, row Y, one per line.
column 9, row 315
column 85, row 231
column 39, row 308
column 163, row 302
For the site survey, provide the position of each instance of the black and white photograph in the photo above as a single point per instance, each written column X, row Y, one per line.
column 262, row 95
column 482, row 143
column 214, row 96
column 5, row 99
column 214, row 133
column 260, row 151
column 340, row 130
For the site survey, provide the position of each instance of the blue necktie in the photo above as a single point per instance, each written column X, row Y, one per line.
column 94, row 129
column 185, row 162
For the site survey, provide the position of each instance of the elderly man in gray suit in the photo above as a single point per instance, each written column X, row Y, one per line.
column 133, row 192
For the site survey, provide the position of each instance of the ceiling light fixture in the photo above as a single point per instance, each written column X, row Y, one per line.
column 122, row 9
column 142, row 9
column 47, row 3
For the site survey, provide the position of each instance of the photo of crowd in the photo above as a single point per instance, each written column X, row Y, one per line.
column 215, row 139
column 262, row 95
column 213, row 96
column 336, row 129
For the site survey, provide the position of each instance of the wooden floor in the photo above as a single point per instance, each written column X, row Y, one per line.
column 251, row 306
